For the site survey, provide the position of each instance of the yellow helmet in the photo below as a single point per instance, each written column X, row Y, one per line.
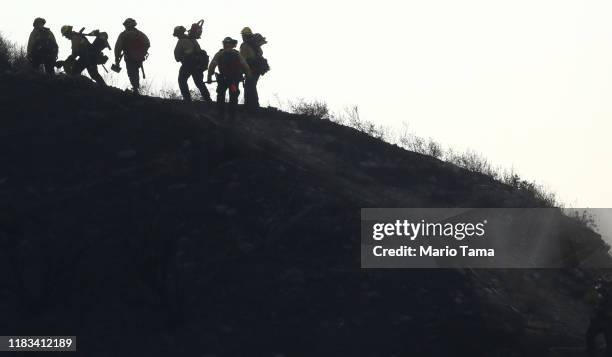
column 246, row 31
column 66, row 29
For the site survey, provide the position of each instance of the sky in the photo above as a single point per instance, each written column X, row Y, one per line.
column 527, row 84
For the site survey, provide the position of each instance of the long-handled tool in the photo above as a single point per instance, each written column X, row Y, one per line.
column 216, row 80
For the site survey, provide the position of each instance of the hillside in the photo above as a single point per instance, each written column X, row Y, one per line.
column 148, row 227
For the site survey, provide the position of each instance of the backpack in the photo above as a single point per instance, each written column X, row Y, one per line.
column 137, row 46
column 258, row 64
column 257, row 40
column 45, row 45
column 99, row 44
column 92, row 51
column 230, row 65
column 201, row 60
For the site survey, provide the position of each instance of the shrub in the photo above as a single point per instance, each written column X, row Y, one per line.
column 539, row 192
column 12, row 57
column 583, row 217
column 471, row 161
column 315, row 109
column 174, row 94
column 415, row 143
column 468, row 160
column 352, row 118
column 4, row 55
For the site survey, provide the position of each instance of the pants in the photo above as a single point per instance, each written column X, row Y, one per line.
column 599, row 325
column 187, row 71
column 133, row 72
column 222, row 87
column 82, row 64
column 49, row 64
column 251, row 98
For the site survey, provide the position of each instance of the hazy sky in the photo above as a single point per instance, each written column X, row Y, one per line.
column 526, row 83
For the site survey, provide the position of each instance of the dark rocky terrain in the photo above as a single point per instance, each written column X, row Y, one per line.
column 148, row 227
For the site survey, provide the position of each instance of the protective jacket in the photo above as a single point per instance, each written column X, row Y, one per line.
column 217, row 61
column 186, row 47
column 250, row 52
column 134, row 44
column 79, row 44
column 37, row 36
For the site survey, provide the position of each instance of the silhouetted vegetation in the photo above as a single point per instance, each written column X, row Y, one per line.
column 584, row 217
column 317, row 109
column 12, row 56
column 469, row 160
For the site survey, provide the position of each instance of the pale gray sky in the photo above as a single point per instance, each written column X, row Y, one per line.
column 526, row 83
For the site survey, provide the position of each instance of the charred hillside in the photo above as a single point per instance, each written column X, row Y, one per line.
column 149, row 227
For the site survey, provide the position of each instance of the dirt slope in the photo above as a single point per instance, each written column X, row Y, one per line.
column 149, row 228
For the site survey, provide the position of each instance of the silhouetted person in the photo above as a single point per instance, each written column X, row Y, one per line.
column 42, row 47
column 194, row 61
column 232, row 68
column 84, row 56
column 601, row 320
column 133, row 45
column 251, row 51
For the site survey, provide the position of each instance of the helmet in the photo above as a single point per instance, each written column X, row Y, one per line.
column 66, row 29
column 129, row 22
column 229, row 40
column 246, row 31
column 179, row 30
column 39, row 22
